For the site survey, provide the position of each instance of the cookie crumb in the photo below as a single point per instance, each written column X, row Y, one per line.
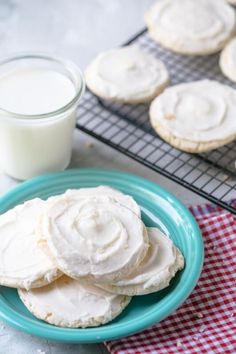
column 202, row 328
column 226, row 178
column 169, row 116
column 196, row 336
column 179, row 343
column 198, row 315
column 89, row 144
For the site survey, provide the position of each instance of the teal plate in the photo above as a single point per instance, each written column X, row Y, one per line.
column 159, row 208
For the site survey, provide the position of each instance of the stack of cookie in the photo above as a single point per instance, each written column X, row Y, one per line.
column 77, row 258
column 196, row 116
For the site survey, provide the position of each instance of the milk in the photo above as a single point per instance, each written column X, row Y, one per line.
column 36, row 125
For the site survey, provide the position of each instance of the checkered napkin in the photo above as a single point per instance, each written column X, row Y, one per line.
column 205, row 323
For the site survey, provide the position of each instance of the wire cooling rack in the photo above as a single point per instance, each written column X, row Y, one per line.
column 127, row 129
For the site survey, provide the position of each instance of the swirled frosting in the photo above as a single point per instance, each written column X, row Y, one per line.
column 121, row 198
column 68, row 303
column 156, row 270
column 199, row 111
column 22, row 262
column 190, row 26
column 126, row 74
column 93, row 237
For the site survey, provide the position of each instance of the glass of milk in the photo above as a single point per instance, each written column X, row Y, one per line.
column 39, row 95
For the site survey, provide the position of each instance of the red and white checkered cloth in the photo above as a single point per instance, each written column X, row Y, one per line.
column 205, row 323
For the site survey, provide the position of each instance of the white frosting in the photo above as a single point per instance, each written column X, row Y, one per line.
column 228, row 60
column 199, row 111
column 22, row 262
column 68, row 303
column 95, row 237
column 190, row 26
column 126, row 74
column 156, row 270
column 123, row 199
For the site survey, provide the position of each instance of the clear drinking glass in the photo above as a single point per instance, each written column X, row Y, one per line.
column 34, row 144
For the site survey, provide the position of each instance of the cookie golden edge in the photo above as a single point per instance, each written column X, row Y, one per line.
column 138, row 290
column 37, row 283
column 186, row 145
column 131, row 101
column 58, row 321
column 224, row 62
column 178, row 50
column 125, row 100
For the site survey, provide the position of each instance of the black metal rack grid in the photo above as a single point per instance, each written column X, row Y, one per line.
column 127, row 129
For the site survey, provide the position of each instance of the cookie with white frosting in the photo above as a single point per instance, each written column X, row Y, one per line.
column 196, row 116
column 68, row 303
column 22, row 263
column 127, row 75
column 155, row 272
column 95, row 237
column 120, row 197
column 228, row 60
column 191, row 27
column 232, row 2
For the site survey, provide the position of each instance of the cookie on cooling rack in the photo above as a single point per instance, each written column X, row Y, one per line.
column 154, row 273
column 196, row 116
column 68, row 303
column 22, row 263
column 232, row 2
column 228, row 60
column 191, row 27
column 127, row 75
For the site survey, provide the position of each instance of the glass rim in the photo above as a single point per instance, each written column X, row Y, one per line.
column 68, row 65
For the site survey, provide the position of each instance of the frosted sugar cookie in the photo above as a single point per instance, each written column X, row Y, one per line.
column 196, row 116
column 126, row 74
column 97, row 238
column 22, row 263
column 233, row 2
column 154, row 273
column 68, row 303
column 228, row 60
column 191, row 27
column 121, row 198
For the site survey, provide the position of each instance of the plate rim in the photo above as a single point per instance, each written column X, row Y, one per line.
column 19, row 321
